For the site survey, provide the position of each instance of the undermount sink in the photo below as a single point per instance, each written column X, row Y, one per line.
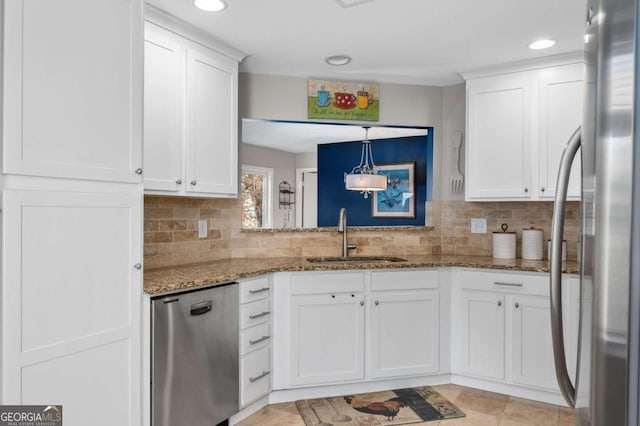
column 355, row 259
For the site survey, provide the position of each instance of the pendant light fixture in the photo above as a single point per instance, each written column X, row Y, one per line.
column 364, row 177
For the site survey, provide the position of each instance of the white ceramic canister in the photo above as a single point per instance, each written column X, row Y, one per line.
column 532, row 244
column 564, row 250
column 504, row 244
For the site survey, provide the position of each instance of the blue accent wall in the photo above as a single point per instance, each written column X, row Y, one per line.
column 337, row 158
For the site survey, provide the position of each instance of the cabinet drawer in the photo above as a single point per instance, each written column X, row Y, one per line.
column 255, row 375
column 403, row 280
column 512, row 283
column 255, row 337
column 254, row 313
column 320, row 283
column 255, row 289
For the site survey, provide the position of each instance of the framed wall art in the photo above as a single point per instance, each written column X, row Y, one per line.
column 339, row 100
column 398, row 200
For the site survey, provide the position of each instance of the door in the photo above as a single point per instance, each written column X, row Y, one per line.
column 164, row 90
column 404, row 334
column 212, row 127
column 309, row 199
column 72, row 287
column 483, row 334
column 531, row 347
column 72, row 84
column 327, row 338
column 499, row 139
column 560, row 107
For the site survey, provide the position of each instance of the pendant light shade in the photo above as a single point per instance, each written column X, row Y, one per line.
column 364, row 177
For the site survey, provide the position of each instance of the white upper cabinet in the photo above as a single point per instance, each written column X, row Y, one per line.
column 560, row 112
column 191, row 117
column 517, row 126
column 164, row 83
column 499, row 138
column 57, row 64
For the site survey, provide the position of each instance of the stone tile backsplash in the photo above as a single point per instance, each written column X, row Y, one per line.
column 171, row 232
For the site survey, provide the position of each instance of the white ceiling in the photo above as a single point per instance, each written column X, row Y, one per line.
column 398, row 41
column 304, row 137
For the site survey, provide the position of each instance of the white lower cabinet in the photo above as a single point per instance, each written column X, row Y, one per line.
column 483, row 334
column 505, row 327
column 327, row 338
column 255, row 339
column 332, row 317
column 531, row 347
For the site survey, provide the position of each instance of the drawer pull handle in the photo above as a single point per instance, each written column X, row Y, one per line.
column 262, row 314
column 499, row 303
column 264, row 374
column 260, row 290
column 508, row 284
column 262, row 339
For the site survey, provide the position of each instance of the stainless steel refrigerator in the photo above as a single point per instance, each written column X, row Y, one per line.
column 606, row 388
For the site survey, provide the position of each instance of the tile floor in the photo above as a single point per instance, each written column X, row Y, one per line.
column 481, row 407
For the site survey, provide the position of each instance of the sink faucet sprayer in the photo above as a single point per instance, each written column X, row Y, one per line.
column 342, row 227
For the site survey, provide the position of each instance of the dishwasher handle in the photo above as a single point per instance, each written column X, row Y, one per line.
column 201, row 307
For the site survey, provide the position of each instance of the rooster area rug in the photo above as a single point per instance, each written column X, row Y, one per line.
column 394, row 407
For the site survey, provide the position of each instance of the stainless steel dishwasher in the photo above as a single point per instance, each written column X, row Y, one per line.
column 194, row 361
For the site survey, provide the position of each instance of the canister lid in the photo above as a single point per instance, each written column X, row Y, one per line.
column 504, row 228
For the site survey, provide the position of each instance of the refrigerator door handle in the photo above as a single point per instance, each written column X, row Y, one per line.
column 555, row 270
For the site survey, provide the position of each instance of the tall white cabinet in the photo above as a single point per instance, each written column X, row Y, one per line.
column 191, row 118
column 72, row 207
column 518, row 123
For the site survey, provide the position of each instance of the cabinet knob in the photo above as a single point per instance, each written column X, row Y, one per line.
column 542, row 189
column 333, row 296
column 376, row 303
column 361, row 303
column 193, row 182
column 526, row 189
column 499, row 303
column 138, row 171
column 179, row 182
column 517, row 305
column 138, row 266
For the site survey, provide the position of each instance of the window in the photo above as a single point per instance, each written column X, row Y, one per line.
column 255, row 191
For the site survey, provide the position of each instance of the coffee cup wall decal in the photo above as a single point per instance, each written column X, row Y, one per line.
column 338, row 100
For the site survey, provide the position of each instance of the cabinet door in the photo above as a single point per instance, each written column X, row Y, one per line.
column 499, row 139
column 483, row 334
column 405, row 334
column 560, row 107
column 531, row 347
column 164, row 80
column 212, row 124
column 327, row 338
column 73, row 89
column 71, row 303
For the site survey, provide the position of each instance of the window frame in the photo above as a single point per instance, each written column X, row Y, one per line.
column 267, row 202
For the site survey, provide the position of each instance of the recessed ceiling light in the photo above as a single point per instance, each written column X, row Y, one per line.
column 210, row 5
column 338, row 60
column 541, row 44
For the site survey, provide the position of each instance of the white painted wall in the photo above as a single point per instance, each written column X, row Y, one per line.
column 283, row 164
column 285, row 98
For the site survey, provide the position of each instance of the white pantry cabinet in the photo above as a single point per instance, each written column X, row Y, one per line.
column 71, row 303
column 517, row 126
column 191, row 117
column 72, row 101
